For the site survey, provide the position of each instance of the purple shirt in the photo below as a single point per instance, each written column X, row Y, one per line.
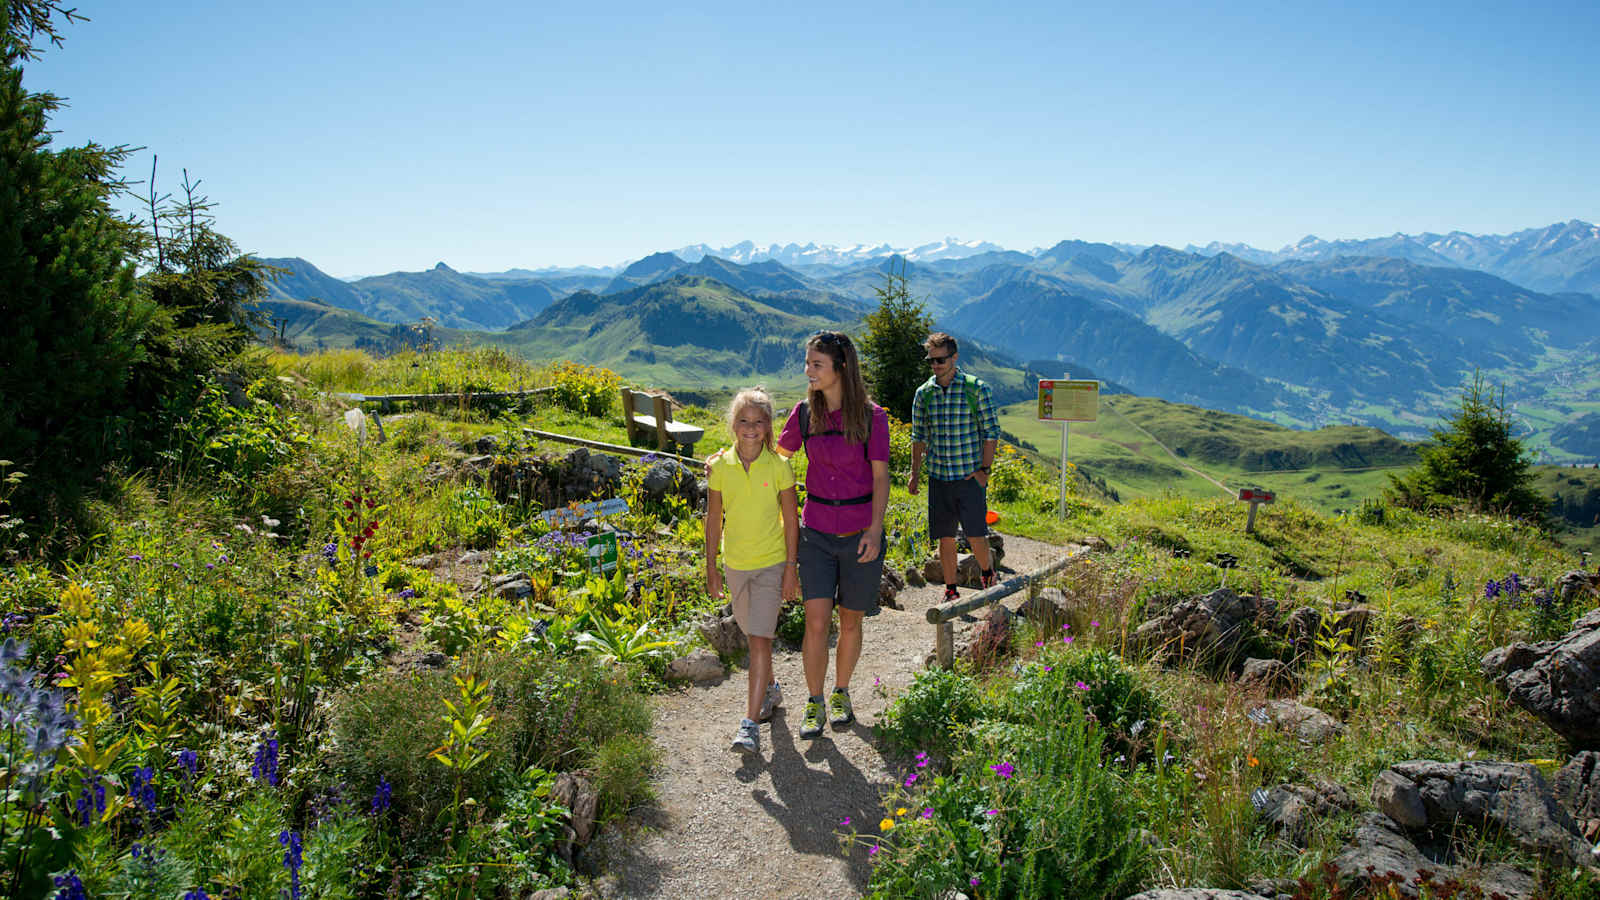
column 838, row 470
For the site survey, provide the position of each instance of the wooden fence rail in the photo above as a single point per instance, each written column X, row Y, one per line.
column 944, row 634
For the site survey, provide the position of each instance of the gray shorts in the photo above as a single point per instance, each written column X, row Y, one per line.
column 828, row 568
column 965, row 501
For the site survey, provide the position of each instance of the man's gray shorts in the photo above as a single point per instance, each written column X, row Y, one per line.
column 828, row 568
column 965, row 501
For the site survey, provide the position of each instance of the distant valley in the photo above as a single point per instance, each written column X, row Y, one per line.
column 1377, row 333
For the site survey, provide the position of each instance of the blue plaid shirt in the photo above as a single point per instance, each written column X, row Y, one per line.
column 942, row 419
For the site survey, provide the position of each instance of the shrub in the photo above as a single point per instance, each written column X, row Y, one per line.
column 933, row 711
column 621, row 772
column 588, row 390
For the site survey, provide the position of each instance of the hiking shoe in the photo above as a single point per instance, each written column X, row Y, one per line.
column 840, row 712
column 951, row 594
column 771, row 701
column 811, row 725
column 748, row 737
column 989, row 579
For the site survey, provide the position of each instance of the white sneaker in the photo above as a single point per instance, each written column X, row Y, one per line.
column 771, row 701
column 748, row 737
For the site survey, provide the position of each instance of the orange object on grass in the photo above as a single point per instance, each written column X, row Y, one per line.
column 991, row 517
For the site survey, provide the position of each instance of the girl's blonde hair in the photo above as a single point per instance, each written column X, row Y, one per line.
column 752, row 397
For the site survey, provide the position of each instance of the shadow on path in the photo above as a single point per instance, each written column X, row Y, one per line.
column 816, row 790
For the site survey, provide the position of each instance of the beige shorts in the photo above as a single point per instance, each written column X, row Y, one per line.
column 757, row 596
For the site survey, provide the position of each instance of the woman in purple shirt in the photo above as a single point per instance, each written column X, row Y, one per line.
column 846, row 439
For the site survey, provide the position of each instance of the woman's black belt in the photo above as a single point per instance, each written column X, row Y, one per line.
column 829, row 501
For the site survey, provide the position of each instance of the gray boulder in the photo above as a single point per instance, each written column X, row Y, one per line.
column 699, row 665
column 1050, row 610
column 1291, row 809
column 1576, row 584
column 1307, row 723
column 668, row 477
column 1212, row 627
column 1577, row 789
column 1382, row 854
column 1303, row 628
column 724, row 635
column 914, row 577
column 1512, row 798
column 889, row 588
column 1197, row 894
column 1273, row 676
column 1558, row 681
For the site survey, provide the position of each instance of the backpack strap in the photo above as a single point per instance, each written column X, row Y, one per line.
column 804, row 411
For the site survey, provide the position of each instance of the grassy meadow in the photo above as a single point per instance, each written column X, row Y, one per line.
column 257, row 680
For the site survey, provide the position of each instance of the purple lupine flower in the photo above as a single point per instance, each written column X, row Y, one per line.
column 292, row 860
column 266, row 764
column 330, row 552
column 1491, row 589
column 197, row 894
column 189, row 762
column 383, row 796
column 1513, row 584
column 70, row 887
column 408, row 593
column 141, row 788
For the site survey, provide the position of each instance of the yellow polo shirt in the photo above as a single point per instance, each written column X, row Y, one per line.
column 752, row 521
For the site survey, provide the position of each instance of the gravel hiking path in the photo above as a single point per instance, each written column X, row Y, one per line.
column 733, row 825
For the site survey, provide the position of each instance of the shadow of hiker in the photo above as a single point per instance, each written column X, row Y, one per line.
column 811, row 803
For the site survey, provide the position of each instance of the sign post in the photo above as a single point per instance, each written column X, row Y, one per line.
column 1067, row 401
column 1255, row 497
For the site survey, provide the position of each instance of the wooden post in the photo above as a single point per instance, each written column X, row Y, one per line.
column 627, row 414
column 663, row 413
column 944, row 644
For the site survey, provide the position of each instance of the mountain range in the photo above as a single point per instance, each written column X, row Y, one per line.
column 1380, row 332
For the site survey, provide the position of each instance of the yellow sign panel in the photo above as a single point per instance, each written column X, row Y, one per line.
column 1069, row 401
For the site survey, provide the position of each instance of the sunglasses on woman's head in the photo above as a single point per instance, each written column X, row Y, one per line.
column 828, row 337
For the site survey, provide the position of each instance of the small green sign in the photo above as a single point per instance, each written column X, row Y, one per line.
column 602, row 549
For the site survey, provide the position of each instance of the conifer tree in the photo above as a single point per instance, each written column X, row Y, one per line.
column 892, row 345
column 72, row 315
column 1474, row 461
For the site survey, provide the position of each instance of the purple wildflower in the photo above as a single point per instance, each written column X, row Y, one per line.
column 911, row 779
column 292, row 860
column 1080, row 686
column 383, row 796
column 70, row 887
column 927, row 813
column 1491, row 589
column 1004, row 770
column 266, row 764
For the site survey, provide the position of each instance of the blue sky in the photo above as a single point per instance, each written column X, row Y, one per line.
column 373, row 137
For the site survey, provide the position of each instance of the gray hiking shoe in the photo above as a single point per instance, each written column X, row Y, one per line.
column 771, row 701
column 811, row 725
column 840, row 712
column 748, row 737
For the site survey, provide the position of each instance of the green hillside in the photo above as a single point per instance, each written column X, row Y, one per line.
column 1146, row 447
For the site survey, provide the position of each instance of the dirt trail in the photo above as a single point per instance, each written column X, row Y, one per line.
column 731, row 825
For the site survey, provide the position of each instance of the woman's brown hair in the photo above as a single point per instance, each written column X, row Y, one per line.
column 853, row 399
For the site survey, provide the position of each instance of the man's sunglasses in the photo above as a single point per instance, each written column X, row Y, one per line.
column 935, row 360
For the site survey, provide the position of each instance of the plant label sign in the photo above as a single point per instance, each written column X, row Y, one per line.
column 572, row 515
column 603, row 553
column 1068, row 400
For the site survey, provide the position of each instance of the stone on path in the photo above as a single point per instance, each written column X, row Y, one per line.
column 700, row 665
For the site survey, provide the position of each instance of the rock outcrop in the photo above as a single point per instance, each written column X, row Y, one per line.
column 1558, row 681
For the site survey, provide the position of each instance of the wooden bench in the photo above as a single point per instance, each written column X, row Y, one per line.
column 651, row 413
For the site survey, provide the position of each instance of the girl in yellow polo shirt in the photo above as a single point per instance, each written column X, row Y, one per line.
column 750, row 517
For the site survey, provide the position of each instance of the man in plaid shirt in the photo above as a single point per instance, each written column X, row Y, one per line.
column 953, row 422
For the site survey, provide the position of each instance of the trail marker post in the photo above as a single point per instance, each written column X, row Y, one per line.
column 1255, row 497
column 1067, row 401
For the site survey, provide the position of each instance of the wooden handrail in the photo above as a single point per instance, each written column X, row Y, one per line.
column 944, row 645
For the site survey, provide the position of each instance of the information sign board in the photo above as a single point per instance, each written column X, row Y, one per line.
column 1068, row 400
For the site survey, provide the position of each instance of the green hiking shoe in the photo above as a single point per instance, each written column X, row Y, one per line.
column 811, row 725
column 840, row 712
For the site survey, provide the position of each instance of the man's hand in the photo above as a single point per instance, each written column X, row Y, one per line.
column 981, row 476
column 870, row 545
column 911, row 486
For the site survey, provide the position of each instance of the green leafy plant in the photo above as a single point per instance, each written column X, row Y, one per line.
column 933, row 712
